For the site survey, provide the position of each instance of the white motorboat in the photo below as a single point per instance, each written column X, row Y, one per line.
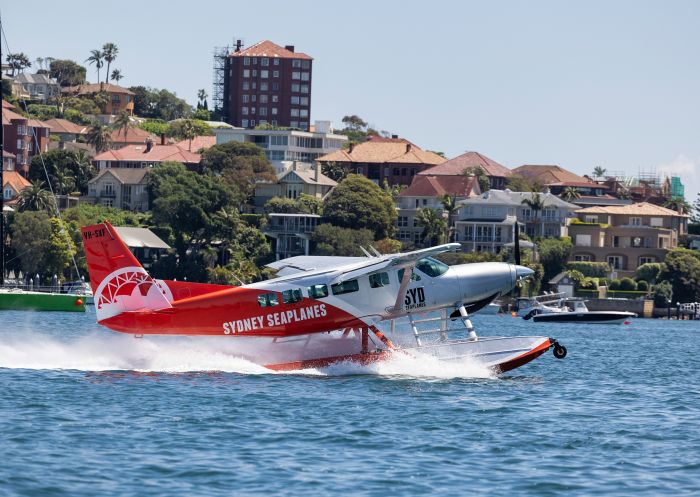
column 575, row 311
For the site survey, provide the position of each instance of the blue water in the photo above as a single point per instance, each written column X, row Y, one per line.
column 84, row 411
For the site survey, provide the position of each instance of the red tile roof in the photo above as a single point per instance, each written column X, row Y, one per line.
column 546, row 175
column 90, row 88
column 133, row 135
column 159, row 153
column 266, row 48
column 8, row 115
column 640, row 209
column 437, row 186
column 16, row 181
column 379, row 150
column 456, row 166
column 199, row 142
column 65, row 126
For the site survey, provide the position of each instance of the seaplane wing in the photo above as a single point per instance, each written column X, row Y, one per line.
column 401, row 260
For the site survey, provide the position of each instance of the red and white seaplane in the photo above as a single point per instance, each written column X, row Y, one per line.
column 323, row 310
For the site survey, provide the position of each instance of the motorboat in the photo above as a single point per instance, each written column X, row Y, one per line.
column 575, row 311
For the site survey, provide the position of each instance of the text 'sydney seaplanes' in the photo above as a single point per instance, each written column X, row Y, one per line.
column 323, row 310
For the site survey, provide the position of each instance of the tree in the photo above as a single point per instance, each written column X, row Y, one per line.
column 553, row 254
column 359, row 203
column 354, row 123
column 188, row 129
column 679, row 205
column 240, row 165
column 682, row 269
column 334, row 170
column 202, row 99
column 116, row 75
column 449, row 204
column 433, row 224
column 18, row 62
column 334, row 240
column 648, row 272
column 67, row 72
column 519, row 183
column 570, row 194
column 63, row 182
column 480, row 175
column 663, row 294
column 109, row 53
column 122, row 123
column 73, row 164
column 60, row 249
column 99, row 136
column 159, row 104
column 536, row 204
column 96, row 58
column 599, row 172
column 30, row 241
column 310, row 204
column 282, row 205
column 35, row 198
column 155, row 126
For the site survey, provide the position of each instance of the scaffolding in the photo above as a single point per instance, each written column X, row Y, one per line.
column 219, row 76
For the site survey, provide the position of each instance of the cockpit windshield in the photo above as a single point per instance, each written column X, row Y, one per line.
column 432, row 267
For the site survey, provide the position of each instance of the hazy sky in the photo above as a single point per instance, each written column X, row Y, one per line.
column 615, row 84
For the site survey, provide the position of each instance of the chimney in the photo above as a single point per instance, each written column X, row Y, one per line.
column 408, row 147
column 317, row 172
column 162, row 138
column 149, row 146
column 239, row 44
column 289, row 47
column 352, row 145
column 294, row 165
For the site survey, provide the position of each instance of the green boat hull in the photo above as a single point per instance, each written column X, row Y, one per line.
column 39, row 301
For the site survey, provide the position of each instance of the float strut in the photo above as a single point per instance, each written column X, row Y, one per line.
column 389, row 344
column 467, row 322
column 365, row 340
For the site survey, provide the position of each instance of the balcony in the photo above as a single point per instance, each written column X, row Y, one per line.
column 108, row 193
column 487, row 239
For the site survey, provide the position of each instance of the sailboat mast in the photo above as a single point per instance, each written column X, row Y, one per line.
column 2, row 168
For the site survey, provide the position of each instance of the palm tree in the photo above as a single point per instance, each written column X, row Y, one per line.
column 536, row 204
column 63, row 181
column 40, row 62
column 96, row 57
column 109, row 53
column 99, row 136
column 116, row 75
column 599, row 171
column 202, row 96
column 449, row 204
column 433, row 224
column 188, row 132
column 122, row 123
column 570, row 194
column 35, row 198
column 679, row 205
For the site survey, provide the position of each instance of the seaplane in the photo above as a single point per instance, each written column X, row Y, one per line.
column 319, row 311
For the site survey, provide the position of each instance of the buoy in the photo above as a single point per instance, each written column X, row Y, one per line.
column 513, row 314
column 78, row 302
column 627, row 322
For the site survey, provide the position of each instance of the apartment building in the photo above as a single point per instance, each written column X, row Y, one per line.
column 24, row 138
column 626, row 236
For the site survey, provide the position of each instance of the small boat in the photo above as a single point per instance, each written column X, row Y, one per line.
column 25, row 300
column 493, row 308
column 575, row 311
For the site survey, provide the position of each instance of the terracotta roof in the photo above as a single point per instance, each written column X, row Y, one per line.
column 640, row 209
column 16, row 181
column 437, row 186
column 198, row 142
column 158, row 153
column 133, row 135
column 266, row 48
column 7, row 105
column 8, row 115
column 65, row 126
column 546, row 175
column 90, row 88
column 456, row 166
column 384, row 150
column 125, row 175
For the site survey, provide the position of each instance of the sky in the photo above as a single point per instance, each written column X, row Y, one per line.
column 578, row 84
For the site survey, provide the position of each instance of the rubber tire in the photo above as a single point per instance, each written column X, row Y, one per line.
column 559, row 351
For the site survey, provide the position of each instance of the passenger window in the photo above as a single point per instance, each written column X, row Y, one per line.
column 345, row 287
column 432, row 267
column 414, row 276
column 268, row 300
column 378, row 280
column 318, row 291
column 291, row 296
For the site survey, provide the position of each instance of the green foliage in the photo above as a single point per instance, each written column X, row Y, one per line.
column 60, row 248
column 99, row 136
column 628, row 284
column 35, row 198
column 254, row 220
column 334, row 170
column 18, row 62
column 30, row 241
column 481, row 177
column 220, row 275
column 282, row 205
column 84, row 105
column 67, row 72
column 642, row 286
column 42, row 112
column 614, row 285
column 155, row 126
column 433, row 224
column 159, row 104
column 532, row 285
column 648, row 272
column 591, row 269
column 202, row 114
column 453, row 258
column 682, row 269
column 334, row 240
column 310, row 204
column 519, row 183
column 663, row 294
column 576, row 276
column 554, row 253
column 359, row 203
column 6, row 88
column 240, row 165
column 387, row 246
column 589, row 283
column 186, row 129
column 63, row 164
column 75, row 116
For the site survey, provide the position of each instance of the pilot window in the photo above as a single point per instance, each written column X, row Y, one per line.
column 345, row 287
column 432, row 267
column 268, row 300
column 291, row 296
column 414, row 276
column 378, row 280
column 318, row 291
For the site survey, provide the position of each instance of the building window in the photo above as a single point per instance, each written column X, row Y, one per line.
column 295, row 100
column 305, row 88
column 264, row 73
column 255, row 72
column 275, row 86
column 274, row 123
column 245, row 98
column 275, row 74
column 252, row 110
column 583, row 240
column 246, row 73
column 295, row 87
column 304, row 100
column 646, row 260
column 252, row 123
column 304, row 113
column 264, row 61
column 263, row 86
column 255, row 61
column 305, row 64
column 582, row 258
column 295, row 112
column 591, row 219
column 278, row 140
column 263, row 111
column 275, row 98
column 294, row 124
column 402, row 221
column 636, row 221
column 263, row 99
column 275, row 62
column 360, row 170
column 296, row 75
column 296, row 63
column 657, row 222
column 615, row 261
column 246, row 85
column 246, row 61
column 305, row 76
column 273, row 111
column 244, row 111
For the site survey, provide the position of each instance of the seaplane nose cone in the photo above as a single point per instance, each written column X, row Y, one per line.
column 523, row 272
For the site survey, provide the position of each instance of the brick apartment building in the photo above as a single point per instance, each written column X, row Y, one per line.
column 267, row 84
column 23, row 138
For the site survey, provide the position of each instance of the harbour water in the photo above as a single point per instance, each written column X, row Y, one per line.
column 84, row 411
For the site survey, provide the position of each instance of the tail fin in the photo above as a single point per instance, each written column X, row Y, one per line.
column 119, row 283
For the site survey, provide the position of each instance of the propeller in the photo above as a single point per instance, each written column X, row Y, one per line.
column 516, row 243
